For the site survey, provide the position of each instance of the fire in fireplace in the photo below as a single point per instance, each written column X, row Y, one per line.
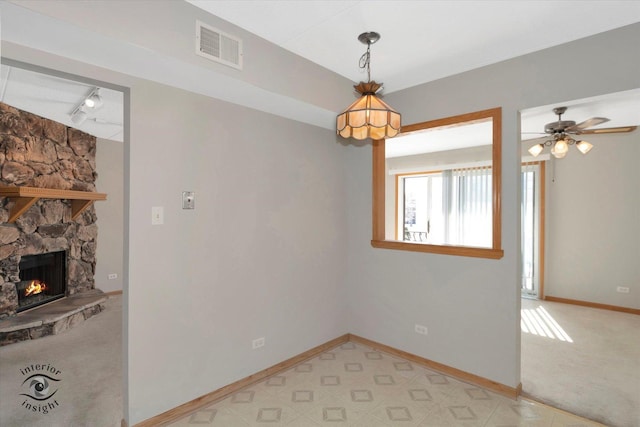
column 43, row 278
column 34, row 288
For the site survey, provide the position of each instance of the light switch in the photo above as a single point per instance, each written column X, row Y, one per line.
column 157, row 215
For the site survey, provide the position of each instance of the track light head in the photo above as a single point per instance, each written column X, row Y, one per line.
column 94, row 100
column 90, row 103
column 78, row 116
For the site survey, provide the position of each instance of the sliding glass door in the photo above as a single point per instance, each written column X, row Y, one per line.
column 448, row 207
column 532, row 225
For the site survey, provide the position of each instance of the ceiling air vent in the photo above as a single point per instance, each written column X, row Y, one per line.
column 217, row 46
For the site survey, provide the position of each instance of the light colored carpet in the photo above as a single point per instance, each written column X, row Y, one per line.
column 595, row 372
column 89, row 390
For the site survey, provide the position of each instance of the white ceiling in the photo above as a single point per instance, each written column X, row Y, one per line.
column 420, row 41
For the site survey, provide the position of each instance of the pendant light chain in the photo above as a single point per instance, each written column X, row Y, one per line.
column 365, row 61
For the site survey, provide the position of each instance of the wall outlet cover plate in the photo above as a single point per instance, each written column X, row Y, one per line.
column 188, row 200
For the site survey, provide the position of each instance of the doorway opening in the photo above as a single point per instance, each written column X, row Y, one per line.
column 575, row 253
column 33, row 81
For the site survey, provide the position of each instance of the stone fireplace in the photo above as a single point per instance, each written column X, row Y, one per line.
column 37, row 152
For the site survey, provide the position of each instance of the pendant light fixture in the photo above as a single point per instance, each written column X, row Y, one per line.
column 369, row 116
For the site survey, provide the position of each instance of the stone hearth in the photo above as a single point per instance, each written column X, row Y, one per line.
column 52, row 318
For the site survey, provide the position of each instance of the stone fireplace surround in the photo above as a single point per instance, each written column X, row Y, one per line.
column 38, row 152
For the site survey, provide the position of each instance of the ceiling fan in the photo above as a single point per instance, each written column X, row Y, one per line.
column 561, row 131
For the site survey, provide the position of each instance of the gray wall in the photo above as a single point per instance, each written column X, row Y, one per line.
column 471, row 306
column 109, row 254
column 262, row 255
column 593, row 232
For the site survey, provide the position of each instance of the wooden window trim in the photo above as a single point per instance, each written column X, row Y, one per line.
column 378, row 208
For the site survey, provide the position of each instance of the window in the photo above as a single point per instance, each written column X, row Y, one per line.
column 451, row 207
column 437, row 187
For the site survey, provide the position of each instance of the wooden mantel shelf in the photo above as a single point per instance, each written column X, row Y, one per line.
column 25, row 197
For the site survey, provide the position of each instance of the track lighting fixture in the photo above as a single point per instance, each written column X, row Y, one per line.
column 91, row 102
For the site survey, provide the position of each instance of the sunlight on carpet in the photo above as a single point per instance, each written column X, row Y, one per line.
column 539, row 322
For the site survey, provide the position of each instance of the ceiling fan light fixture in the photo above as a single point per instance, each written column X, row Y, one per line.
column 584, row 146
column 536, row 150
column 561, row 132
column 556, row 154
column 369, row 116
column 560, row 149
column 561, row 146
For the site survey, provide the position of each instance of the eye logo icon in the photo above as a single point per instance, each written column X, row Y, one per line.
column 40, row 387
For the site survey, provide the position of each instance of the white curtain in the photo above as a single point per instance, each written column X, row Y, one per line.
column 469, row 217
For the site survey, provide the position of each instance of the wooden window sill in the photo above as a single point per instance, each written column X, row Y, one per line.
column 439, row 249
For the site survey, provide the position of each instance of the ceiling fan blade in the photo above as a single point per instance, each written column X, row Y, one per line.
column 534, row 139
column 530, row 136
column 593, row 121
column 621, row 129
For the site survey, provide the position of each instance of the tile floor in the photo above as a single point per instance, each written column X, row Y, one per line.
column 354, row 385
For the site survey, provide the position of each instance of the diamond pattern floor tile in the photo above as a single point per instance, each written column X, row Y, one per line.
column 354, row 385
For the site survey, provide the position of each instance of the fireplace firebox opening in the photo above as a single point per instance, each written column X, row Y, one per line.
column 43, row 278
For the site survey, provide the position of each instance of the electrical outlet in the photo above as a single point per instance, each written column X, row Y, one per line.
column 257, row 343
column 113, row 276
column 623, row 290
column 422, row 330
